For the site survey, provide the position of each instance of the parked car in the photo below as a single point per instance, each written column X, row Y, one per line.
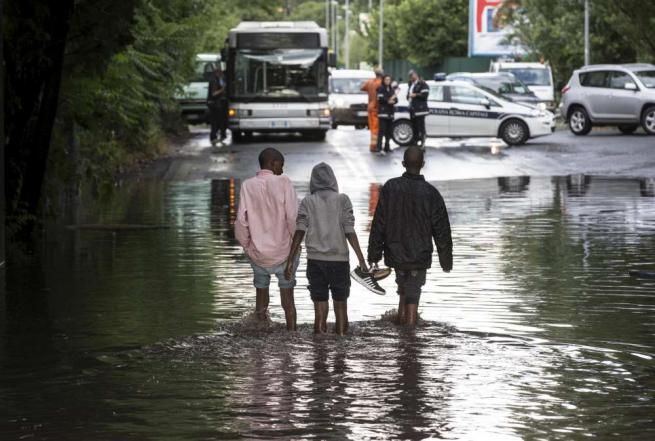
column 459, row 109
column 537, row 76
column 348, row 104
column 503, row 83
column 193, row 97
column 610, row 95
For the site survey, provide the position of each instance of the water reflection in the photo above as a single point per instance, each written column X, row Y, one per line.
column 539, row 332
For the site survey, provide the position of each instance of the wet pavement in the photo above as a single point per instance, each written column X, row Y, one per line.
column 539, row 332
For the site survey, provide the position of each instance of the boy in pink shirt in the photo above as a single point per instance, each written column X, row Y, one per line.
column 265, row 225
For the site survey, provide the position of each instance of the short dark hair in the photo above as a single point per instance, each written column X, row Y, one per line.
column 414, row 157
column 269, row 155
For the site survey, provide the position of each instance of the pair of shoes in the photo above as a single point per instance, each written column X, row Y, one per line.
column 382, row 153
column 214, row 142
column 367, row 281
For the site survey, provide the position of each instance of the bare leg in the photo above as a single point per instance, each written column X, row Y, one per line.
column 289, row 306
column 400, row 319
column 341, row 314
column 320, row 317
column 411, row 314
column 261, row 304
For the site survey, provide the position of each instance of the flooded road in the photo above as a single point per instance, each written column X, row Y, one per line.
column 539, row 332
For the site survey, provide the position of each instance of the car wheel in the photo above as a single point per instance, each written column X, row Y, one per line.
column 628, row 129
column 334, row 125
column 514, row 132
column 579, row 121
column 648, row 120
column 403, row 132
column 317, row 135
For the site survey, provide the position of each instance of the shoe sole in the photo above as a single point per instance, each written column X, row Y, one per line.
column 381, row 274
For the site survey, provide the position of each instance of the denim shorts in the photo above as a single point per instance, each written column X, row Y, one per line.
column 262, row 275
column 325, row 276
column 409, row 284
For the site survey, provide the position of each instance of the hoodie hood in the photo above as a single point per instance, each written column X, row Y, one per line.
column 323, row 178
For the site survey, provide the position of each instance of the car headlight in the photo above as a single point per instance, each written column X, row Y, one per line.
column 541, row 106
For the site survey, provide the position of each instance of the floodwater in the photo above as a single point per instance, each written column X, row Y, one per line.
column 538, row 333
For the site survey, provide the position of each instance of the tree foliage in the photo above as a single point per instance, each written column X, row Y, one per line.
column 421, row 31
column 554, row 31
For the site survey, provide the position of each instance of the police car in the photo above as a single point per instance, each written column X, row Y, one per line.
column 460, row 109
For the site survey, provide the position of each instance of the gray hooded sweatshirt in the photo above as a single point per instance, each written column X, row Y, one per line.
column 326, row 216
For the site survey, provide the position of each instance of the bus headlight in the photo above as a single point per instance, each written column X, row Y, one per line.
column 231, row 113
column 317, row 113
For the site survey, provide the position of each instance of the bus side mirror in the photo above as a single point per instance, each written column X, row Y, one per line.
column 332, row 59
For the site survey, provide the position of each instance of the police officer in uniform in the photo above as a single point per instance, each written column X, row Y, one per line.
column 417, row 95
column 387, row 99
column 217, row 103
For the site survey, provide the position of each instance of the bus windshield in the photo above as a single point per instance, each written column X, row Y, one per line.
column 531, row 76
column 280, row 73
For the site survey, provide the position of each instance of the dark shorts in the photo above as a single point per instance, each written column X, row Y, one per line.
column 409, row 284
column 325, row 276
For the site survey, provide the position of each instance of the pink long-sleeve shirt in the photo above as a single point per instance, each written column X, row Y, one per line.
column 266, row 219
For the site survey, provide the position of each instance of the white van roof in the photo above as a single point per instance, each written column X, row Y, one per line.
column 208, row 57
column 522, row 65
column 352, row 73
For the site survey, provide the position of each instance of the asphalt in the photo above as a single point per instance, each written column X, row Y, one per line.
column 604, row 152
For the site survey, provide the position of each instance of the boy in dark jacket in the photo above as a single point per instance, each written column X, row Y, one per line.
column 326, row 218
column 410, row 214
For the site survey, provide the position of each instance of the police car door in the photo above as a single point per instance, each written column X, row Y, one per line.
column 437, row 121
column 472, row 113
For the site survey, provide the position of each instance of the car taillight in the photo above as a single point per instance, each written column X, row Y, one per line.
column 565, row 89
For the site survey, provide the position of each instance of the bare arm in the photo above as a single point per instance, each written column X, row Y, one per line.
column 354, row 243
column 298, row 236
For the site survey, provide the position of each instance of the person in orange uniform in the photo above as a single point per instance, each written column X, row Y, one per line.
column 371, row 87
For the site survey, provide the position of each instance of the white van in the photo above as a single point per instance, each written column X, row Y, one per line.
column 537, row 76
column 193, row 96
column 348, row 104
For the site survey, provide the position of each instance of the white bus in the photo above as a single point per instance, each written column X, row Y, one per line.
column 277, row 76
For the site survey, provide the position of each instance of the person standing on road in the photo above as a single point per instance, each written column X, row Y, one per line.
column 371, row 88
column 217, row 103
column 417, row 95
column 326, row 221
column 387, row 99
column 265, row 225
column 410, row 214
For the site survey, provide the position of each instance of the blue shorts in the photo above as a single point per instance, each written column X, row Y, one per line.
column 262, row 275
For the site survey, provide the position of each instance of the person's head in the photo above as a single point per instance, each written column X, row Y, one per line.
column 413, row 160
column 386, row 80
column 271, row 159
column 217, row 69
column 413, row 76
column 379, row 73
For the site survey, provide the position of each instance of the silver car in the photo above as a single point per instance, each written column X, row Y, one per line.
column 610, row 95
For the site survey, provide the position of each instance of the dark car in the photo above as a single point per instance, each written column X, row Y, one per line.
column 505, row 84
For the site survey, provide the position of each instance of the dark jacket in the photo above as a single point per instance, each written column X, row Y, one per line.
column 385, row 109
column 410, row 214
column 419, row 104
column 216, row 83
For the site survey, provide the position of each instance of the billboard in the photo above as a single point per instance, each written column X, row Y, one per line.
column 486, row 35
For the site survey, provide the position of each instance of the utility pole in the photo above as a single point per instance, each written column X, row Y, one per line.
column 327, row 20
column 381, row 36
column 335, row 28
column 346, row 42
column 587, row 48
column 2, row 144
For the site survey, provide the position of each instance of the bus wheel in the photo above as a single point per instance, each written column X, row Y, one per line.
column 237, row 137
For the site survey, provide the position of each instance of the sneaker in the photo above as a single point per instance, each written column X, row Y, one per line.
column 214, row 142
column 367, row 281
column 380, row 273
column 382, row 153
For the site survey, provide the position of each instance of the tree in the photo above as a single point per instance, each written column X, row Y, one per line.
column 421, row 31
column 553, row 31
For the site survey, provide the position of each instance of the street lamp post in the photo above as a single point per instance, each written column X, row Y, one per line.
column 346, row 43
column 587, row 48
column 381, row 36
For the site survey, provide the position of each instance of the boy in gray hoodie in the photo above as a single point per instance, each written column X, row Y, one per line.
column 326, row 221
